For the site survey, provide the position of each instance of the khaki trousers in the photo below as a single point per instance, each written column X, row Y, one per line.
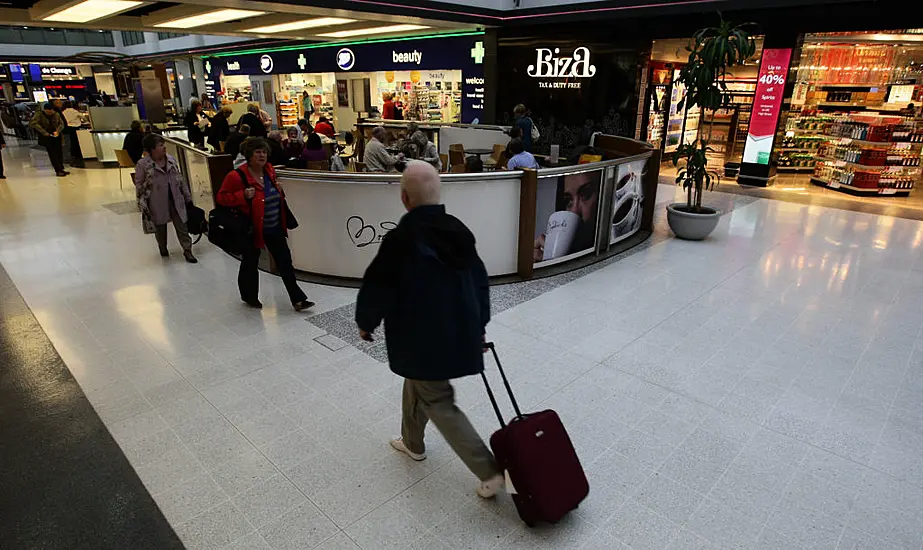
column 182, row 234
column 435, row 400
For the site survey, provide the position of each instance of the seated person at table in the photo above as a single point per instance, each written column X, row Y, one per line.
column 276, row 151
column 304, row 129
column 324, row 127
column 426, row 150
column 133, row 140
column 350, row 148
column 314, row 149
column 377, row 158
column 521, row 158
column 293, row 147
column 474, row 164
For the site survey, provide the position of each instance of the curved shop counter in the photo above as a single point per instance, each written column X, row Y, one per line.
column 523, row 220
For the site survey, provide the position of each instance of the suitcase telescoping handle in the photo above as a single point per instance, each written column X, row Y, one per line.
column 509, row 390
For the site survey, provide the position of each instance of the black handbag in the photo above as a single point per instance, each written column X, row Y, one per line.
column 196, row 223
column 290, row 221
column 230, row 229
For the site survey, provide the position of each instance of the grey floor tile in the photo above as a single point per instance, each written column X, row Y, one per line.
column 808, row 527
column 216, row 527
column 724, row 526
column 640, row 527
column 303, row 527
column 699, row 474
column 268, row 500
column 670, row 498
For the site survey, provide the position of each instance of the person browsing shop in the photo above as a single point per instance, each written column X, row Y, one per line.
column 163, row 194
column 73, row 123
column 387, row 109
column 220, row 129
column 252, row 119
column 253, row 189
column 521, row 158
column 49, row 124
column 196, row 122
column 307, row 105
column 133, row 143
column 2, row 147
column 524, row 123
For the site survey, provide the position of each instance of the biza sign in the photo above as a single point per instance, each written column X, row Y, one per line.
column 550, row 64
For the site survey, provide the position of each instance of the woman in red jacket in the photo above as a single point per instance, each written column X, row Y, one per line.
column 387, row 109
column 253, row 190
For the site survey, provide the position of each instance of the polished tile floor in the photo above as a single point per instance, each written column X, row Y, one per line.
column 761, row 389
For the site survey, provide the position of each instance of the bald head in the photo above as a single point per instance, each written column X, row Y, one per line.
column 420, row 185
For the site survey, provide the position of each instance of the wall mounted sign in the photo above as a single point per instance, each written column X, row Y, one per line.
column 16, row 72
column 465, row 53
column 346, row 59
column 58, row 70
column 266, row 64
column 548, row 64
column 767, row 104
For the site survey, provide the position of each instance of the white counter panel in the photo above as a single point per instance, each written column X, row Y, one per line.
column 341, row 224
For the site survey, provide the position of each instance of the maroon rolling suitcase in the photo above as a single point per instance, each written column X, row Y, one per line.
column 539, row 459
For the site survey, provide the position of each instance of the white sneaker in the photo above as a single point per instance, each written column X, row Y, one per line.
column 489, row 488
column 398, row 445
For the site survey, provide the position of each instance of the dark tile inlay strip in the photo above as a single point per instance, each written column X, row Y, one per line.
column 64, row 482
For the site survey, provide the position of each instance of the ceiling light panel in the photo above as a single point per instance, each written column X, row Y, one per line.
column 373, row 30
column 90, row 10
column 209, row 18
column 304, row 24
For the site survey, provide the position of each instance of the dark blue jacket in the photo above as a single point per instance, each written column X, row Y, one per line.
column 430, row 287
column 525, row 123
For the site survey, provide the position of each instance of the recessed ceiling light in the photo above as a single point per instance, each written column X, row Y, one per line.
column 89, row 10
column 373, row 30
column 304, row 24
column 210, row 18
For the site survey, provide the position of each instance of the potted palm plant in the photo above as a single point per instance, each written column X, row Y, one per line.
column 712, row 52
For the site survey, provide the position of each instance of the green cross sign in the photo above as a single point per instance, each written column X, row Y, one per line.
column 208, row 66
column 302, row 61
column 477, row 52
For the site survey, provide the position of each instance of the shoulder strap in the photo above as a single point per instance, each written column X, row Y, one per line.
column 243, row 177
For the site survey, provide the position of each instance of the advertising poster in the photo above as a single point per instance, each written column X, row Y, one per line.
column 770, row 87
column 627, row 200
column 567, row 214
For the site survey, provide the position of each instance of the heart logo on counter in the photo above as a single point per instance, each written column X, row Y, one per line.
column 359, row 232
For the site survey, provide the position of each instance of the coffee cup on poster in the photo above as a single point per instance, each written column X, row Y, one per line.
column 559, row 234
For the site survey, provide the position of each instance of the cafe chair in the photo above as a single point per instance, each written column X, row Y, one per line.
column 456, row 156
column 445, row 161
column 457, row 169
column 221, row 146
column 360, row 167
column 457, row 147
column 124, row 162
column 494, row 159
column 321, row 165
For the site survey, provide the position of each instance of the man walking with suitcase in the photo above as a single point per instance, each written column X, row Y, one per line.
column 430, row 288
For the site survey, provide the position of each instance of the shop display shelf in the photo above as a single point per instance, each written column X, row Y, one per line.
column 857, row 141
column 861, row 191
column 844, row 163
column 795, row 168
column 796, row 149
